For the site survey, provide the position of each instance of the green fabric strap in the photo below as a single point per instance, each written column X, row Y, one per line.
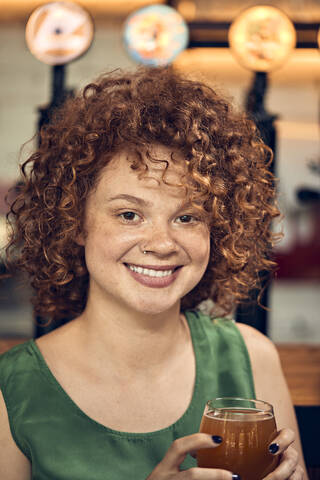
column 63, row 443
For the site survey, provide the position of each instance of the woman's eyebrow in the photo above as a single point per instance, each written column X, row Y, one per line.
column 130, row 198
column 144, row 203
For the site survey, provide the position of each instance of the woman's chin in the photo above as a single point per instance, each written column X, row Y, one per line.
column 156, row 308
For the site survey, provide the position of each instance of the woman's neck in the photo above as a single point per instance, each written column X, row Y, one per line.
column 131, row 342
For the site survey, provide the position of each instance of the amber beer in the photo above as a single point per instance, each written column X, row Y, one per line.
column 246, row 433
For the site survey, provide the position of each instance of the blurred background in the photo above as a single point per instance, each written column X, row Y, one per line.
column 292, row 99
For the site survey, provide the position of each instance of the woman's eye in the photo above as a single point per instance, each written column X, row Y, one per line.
column 186, row 219
column 129, row 216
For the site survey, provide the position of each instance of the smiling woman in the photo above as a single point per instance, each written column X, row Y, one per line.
column 148, row 194
column 225, row 177
column 143, row 240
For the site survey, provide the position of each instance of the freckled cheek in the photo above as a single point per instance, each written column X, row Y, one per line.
column 113, row 245
column 198, row 248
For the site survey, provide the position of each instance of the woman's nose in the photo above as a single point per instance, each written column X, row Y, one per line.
column 160, row 240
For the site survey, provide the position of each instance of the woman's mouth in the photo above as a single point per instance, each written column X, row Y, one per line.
column 154, row 276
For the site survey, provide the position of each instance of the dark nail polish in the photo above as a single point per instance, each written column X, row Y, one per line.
column 216, row 439
column 236, row 477
column 274, row 447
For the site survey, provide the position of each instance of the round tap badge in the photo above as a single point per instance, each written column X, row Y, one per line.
column 155, row 35
column 261, row 38
column 59, row 32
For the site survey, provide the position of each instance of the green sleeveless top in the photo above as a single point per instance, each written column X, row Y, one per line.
column 63, row 443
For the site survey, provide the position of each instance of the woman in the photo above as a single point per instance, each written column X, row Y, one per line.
column 147, row 195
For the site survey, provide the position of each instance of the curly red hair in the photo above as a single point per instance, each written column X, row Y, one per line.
column 227, row 165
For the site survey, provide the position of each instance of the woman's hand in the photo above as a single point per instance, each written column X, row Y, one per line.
column 169, row 467
column 288, row 467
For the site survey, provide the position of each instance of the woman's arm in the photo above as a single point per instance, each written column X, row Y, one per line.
column 13, row 464
column 270, row 384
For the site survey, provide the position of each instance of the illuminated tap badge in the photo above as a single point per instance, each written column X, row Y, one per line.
column 155, row 35
column 59, row 32
column 261, row 38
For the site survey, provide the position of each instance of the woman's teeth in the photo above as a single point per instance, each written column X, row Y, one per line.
column 149, row 272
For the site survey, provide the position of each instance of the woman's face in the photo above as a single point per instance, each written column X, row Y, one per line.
column 126, row 216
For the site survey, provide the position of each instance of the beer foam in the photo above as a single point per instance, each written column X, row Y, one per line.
column 239, row 414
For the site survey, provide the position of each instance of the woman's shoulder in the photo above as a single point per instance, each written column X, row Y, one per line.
column 258, row 344
column 16, row 355
column 25, row 356
column 16, row 366
column 265, row 361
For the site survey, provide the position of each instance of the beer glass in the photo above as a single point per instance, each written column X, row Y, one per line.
column 247, row 427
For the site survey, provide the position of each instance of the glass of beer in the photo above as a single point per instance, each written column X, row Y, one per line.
column 247, row 427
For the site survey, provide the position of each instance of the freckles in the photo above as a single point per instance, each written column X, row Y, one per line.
column 198, row 245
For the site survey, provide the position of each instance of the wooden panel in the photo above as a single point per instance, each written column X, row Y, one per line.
column 301, row 366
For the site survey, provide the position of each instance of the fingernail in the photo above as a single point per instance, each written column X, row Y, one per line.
column 236, row 477
column 274, row 447
column 216, row 439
